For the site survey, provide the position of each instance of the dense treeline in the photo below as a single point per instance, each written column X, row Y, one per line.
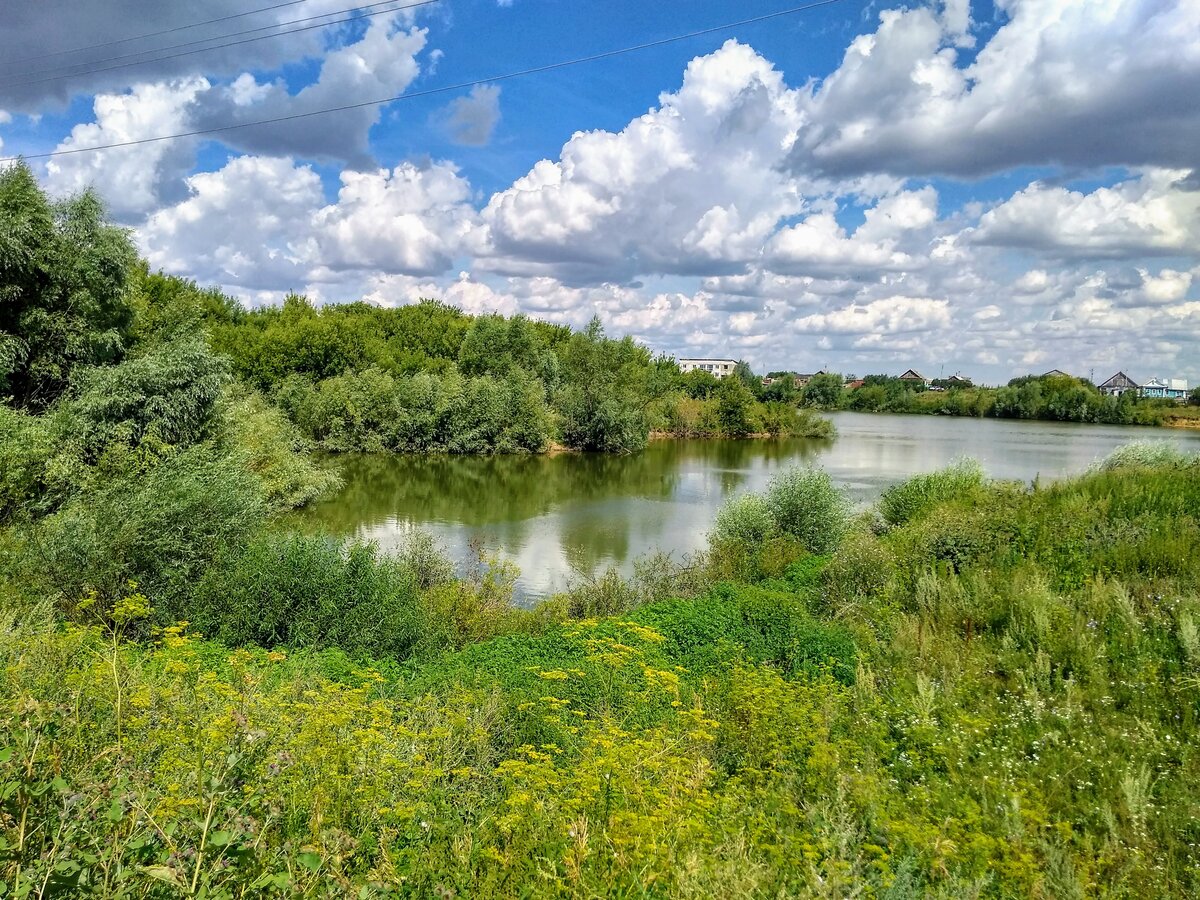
column 1055, row 398
column 81, row 317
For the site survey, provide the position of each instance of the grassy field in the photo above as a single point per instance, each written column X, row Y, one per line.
column 976, row 690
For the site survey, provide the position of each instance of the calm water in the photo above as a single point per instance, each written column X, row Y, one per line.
column 560, row 517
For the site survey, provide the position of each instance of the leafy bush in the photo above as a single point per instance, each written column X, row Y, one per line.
column 805, row 504
column 270, row 447
column 1147, row 455
column 746, row 519
column 168, row 395
column 294, row 590
column 863, row 566
column 903, row 502
column 159, row 528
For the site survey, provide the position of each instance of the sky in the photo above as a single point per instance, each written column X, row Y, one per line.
column 993, row 188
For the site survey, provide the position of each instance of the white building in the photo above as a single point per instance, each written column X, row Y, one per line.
column 718, row 367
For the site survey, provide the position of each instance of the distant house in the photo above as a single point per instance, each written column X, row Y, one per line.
column 854, row 385
column 1118, row 385
column 1054, row 373
column 802, row 380
column 912, row 376
column 957, row 380
column 720, row 368
column 1155, row 387
column 1162, row 389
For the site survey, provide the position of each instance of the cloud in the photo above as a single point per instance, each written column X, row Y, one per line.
column 381, row 64
column 133, row 180
column 692, row 186
column 247, row 225
column 262, row 223
column 1067, row 82
column 32, row 45
column 889, row 315
column 819, row 246
column 719, row 221
column 1139, row 217
column 470, row 120
column 411, row 220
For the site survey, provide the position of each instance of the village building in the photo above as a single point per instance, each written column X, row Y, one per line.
column 802, row 380
column 1117, row 385
column 719, row 368
column 1054, row 373
column 1163, row 389
column 912, row 376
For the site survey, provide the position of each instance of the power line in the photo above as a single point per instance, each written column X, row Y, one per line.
column 261, row 37
column 533, row 70
column 150, row 34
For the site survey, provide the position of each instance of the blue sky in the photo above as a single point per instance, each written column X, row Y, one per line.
column 995, row 189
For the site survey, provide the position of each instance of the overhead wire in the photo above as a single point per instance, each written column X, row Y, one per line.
column 150, row 34
column 262, row 37
column 427, row 92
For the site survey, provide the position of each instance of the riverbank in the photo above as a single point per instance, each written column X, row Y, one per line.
column 938, row 695
column 565, row 517
column 1043, row 398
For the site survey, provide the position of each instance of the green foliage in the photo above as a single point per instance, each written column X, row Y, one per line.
column 159, row 528
column 168, row 396
column 903, row 502
column 423, row 413
column 1148, row 455
column 601, row 406
column 746, row 519
column 734, row 405
column 890, row 720
column 305, row 591
column 823, row 390
column 272, row 449
column 63, row 277
column 806, row 505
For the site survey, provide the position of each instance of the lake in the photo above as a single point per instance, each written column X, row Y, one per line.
column 564, row 516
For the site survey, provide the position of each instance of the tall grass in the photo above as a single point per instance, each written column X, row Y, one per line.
column 308, row 591
column 1147, row 455
column 903, row 502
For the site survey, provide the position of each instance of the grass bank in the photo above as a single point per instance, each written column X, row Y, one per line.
column 976, row 690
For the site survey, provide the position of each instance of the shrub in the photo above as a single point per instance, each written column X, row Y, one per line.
column 746, row 519
column 1147, row 455
column 605, row 595
column 862, row 567
column 299, row 590
column 903, row 502
column 805, row 504
column 159, row 528
column 270, row 446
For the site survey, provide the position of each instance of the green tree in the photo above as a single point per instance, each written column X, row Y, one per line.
column 735, row 404
column 601, row 405
column 823, row 391
column 64, row 271
column 746, row 376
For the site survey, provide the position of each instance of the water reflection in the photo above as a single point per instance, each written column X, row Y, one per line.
column 560, row 516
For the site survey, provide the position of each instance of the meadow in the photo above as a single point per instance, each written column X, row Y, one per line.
column 976, row 689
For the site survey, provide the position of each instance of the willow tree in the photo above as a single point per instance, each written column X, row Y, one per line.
column 64, row 272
